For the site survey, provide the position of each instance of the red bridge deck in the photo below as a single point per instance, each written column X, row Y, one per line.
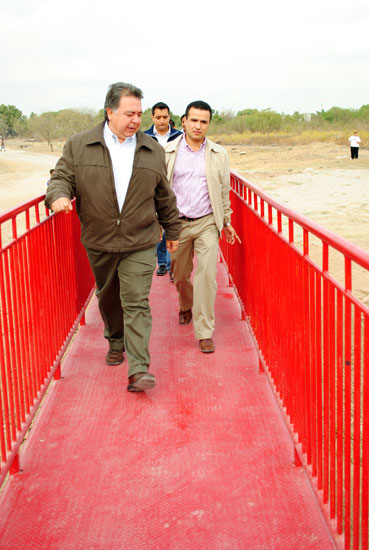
column 203, row 461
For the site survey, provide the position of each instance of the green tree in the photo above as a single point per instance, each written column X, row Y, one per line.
column 72, row 121
column 10, row 114
column 363, row 113
column 264, row 121
column 146, row 120
column 45, row 127
column 3, row 126
column 337, row 115
column 21, row 127
column 247, row 112
column 176, row 119
column 216, row 117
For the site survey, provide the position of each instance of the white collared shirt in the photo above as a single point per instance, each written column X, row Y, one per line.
column 162, row 139
column 122, row 155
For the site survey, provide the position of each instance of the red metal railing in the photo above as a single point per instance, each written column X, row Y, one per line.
column 313, row 339
column 45, row 286
column 312, row 333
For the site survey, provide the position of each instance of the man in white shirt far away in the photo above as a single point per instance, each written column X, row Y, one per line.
column 354, row 145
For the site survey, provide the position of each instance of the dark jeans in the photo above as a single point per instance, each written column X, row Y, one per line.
column 354, row 152
column 162, row 253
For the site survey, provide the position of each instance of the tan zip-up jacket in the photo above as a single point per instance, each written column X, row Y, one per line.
column 217, row 177
column 85, row 171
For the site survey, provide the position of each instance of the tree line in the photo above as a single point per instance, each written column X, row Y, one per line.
column 267, row 120
column 59, row 125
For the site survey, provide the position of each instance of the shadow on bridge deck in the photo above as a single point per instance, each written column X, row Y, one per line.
column 203, row 460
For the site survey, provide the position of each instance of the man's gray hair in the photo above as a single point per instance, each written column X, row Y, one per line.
column 116, row 91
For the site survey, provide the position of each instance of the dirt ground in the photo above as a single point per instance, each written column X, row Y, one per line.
column 24, row 171
column 318, row 180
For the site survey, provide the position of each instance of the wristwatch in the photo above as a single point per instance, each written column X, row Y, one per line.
column 227, row 224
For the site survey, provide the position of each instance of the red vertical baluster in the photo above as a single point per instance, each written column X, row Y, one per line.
column 326, row 337
column 365, row 445
column 339, row 367
column 319, row 379
column 347, row 389
column 357, row 429
column 332, row 403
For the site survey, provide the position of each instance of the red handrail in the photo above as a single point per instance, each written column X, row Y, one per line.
column 45, row 286
column 311, row 331
column 312, row 334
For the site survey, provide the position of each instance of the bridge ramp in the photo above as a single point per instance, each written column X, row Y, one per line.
column 202, row 461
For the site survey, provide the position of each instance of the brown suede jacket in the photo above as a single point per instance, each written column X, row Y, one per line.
column 85, row 171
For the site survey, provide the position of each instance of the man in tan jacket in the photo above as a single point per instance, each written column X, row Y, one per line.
column 198, row 171
column 118, row 176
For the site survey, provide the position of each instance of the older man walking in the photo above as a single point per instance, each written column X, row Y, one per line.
column 118, row 177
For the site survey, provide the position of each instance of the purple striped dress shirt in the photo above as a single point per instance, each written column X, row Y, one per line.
column 189, row 181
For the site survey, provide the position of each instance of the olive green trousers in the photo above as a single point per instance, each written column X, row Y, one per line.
column 123, row 282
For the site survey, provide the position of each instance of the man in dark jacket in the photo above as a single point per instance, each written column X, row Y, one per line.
column 118, row 176
column 163, row 132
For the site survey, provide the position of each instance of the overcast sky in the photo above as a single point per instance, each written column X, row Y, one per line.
column 287, row 55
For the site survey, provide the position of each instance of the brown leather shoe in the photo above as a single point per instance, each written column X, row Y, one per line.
column 185, row 317
column 114, row 357
column 207, row 345
column 141, row 381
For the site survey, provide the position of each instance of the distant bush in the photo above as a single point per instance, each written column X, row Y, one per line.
column 268, row 121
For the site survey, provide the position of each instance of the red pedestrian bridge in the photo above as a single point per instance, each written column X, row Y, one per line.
column 262, row 445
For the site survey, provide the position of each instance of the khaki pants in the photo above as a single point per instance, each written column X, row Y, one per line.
column 123, row 283
column 200, row 237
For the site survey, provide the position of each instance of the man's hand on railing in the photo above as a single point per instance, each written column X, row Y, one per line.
column 62, row 205
column 231, row 235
